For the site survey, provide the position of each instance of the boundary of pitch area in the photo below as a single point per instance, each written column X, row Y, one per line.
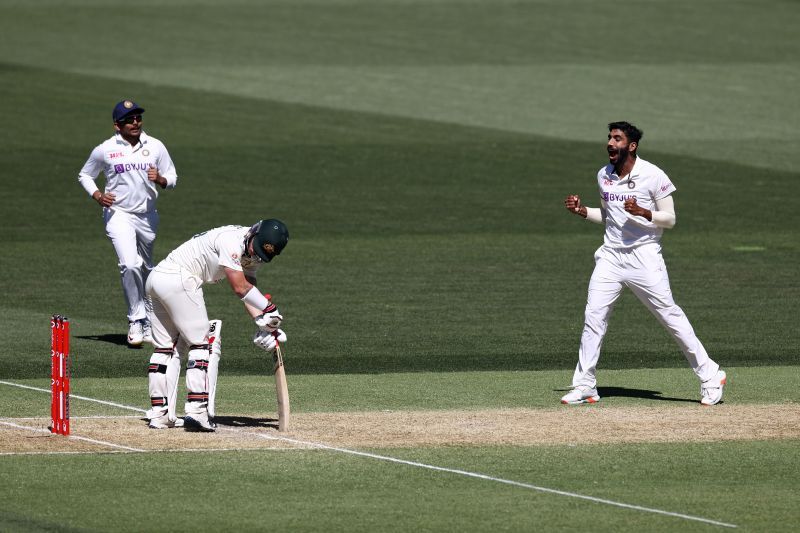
column 385, row 458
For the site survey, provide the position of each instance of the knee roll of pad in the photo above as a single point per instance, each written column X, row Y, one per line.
column 196, row 374
column 157, row 380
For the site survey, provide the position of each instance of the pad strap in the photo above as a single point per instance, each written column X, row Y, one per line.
column 197, row 397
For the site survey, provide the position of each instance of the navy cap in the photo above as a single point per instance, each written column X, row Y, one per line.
column 125, row 108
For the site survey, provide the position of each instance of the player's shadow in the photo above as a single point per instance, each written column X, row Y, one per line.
column 623, row 392
column 246, row 422
column 120, row 339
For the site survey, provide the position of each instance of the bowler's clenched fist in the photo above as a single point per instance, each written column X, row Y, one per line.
column 633, row 208
column 573, row 203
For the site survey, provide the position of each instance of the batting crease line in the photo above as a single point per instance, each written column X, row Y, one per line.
column 387, row 458
column 154, row 450
column 75, row 396
column 74, row 437
column 88, row 417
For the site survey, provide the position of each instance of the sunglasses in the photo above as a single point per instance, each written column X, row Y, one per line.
column 130, row 120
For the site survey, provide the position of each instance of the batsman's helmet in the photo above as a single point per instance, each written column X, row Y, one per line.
column 269, row 238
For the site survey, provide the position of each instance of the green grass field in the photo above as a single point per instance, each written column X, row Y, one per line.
column 419, row 152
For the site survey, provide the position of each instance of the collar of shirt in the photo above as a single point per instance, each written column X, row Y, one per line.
column 142, row 141
column 634, row 173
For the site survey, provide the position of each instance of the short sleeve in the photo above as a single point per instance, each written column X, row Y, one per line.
column 230, row 252
column 663, row 186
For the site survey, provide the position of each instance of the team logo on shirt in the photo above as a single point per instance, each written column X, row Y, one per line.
column 611, row 197
column 127, row 167
column 145, row 152
column 235, row 258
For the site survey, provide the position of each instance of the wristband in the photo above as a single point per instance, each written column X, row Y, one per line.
column 254, row 298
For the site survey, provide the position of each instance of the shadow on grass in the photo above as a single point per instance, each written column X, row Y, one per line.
column 624, row 392
column 246, row 421
column 120, row 339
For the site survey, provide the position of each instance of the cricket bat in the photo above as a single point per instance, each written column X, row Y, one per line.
column 281, row 389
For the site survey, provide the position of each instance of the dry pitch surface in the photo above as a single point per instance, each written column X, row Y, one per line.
column 565, row 425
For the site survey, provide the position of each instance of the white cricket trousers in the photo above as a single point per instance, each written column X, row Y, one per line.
column 641, row 269
column 132, row 236
column 179, row 310
column 178, row 306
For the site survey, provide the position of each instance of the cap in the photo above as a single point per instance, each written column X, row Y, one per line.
column 269, row 238
column 125, row 108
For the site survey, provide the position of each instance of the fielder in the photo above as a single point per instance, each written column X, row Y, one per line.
column 636, row 206
column 133, row 164
column 180, row 321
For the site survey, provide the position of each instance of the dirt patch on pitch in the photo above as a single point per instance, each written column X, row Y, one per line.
column 566, row 425
column 560, row 426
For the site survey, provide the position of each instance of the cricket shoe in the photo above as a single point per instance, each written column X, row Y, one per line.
column 147, row 332
column 163, row 422
column 581, row 394
column 198, row 422
column 135, row 333
column 711, row 390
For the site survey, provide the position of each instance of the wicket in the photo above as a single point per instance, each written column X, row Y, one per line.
column 60, row 369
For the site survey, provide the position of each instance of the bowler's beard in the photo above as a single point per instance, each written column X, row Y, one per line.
column 622, row 159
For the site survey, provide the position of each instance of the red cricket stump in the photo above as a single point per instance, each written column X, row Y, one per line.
column 59, row 375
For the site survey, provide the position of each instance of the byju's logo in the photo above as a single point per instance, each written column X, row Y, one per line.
column 611, row 197
column 127, row 167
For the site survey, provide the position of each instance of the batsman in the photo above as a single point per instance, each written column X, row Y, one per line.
column 180, row 321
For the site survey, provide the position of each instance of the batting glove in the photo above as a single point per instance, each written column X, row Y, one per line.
column 268, row 340
column 270, row 320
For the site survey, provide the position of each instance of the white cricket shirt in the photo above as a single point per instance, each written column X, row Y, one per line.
column 647, row 183
column 207, row 254
column 125, row 168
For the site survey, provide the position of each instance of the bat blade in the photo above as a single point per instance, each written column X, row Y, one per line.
column 281, row 390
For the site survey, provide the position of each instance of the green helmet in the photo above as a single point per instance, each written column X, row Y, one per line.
column 269, row 238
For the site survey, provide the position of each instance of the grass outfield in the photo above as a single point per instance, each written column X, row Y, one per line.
column 659, row 486
column 419, row 153
column 313, row 490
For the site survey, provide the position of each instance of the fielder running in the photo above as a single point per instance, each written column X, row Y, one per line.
column 179, row 313
column 133, row 164
column 636, row 206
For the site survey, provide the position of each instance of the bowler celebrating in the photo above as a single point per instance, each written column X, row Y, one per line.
column 135, row 165
column 636, row 206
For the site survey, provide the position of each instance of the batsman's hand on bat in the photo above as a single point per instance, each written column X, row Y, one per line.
column 267, row 340
column 573, row 204
column 270, row 320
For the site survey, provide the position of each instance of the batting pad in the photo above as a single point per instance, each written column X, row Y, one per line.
column 215, row 340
